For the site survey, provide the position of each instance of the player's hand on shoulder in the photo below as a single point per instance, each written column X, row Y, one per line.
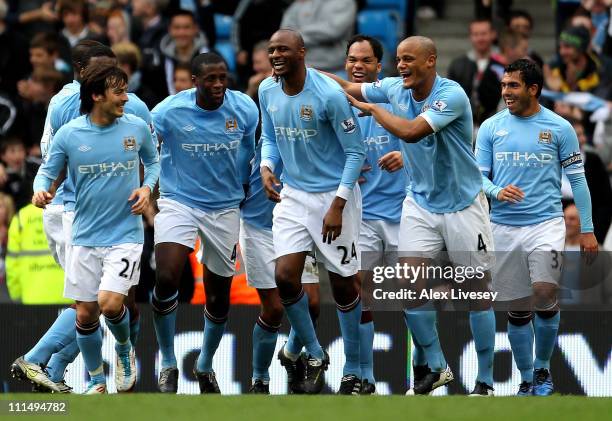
column 332, row 221
column 391, row 161
column 364, row 107
column 270, row 184
column 510, row 193
column 141, row 196
column 589, row 246
column 42, row 198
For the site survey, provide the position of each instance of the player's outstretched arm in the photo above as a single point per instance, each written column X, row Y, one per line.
column 351, row 88
column 410, row 131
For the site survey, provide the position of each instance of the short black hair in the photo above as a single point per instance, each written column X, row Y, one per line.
column 377, row 47
column 519, row 14
column 100, row 50
column 78, row 52
column 97, row 80
column 205, row 59
column 182, row 66
column 530, row 73
column 183, row 12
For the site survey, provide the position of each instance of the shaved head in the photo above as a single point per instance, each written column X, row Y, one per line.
column 424, row 45
column 293, row 35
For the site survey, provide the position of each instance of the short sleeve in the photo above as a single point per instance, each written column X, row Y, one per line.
column 378, row 92
column 446, row 106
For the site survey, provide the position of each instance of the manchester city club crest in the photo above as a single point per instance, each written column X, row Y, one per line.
column 545, row 136
column 306, row 112
column 231, row 125
column 129, row 143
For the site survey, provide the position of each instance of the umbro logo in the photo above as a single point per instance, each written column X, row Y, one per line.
column 501, row 132
column 84, row 148
column 189, row 128
column 272, row 109
column 403, row 107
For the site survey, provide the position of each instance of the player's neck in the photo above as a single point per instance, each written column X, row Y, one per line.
column 294, row 84
column 422, row 91
column 533, row 109
column 100, row 118
column 207, row 105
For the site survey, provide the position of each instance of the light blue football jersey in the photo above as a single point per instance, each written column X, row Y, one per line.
column 66, row 110
column 205, row 154
column 314, row 133
column 47, row 136
column 528, row 152
column 103, row 163
column 441, row 167
column 383, row 192
column 257, row 208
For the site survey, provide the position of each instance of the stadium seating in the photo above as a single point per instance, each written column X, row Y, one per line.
column 385, row 25
column 223, row 25
column 400, row 6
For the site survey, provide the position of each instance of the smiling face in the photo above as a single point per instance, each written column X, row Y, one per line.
column 113, row 101
column 361, row 64
column 285, row 53
column 414, row 63
column 211, row 84
column 518, row 97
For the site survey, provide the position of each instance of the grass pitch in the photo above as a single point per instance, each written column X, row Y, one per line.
column 317, row 408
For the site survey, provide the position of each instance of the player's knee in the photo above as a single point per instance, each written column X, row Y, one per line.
column 110, row 305
column 165, row 281
column 286, row 281
column 519, row 318
column 545, row 296
column 344, row 292
column 87, row 315
column 217, row 305
column 273, row 314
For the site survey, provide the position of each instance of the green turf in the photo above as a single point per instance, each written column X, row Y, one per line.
column 321, row 408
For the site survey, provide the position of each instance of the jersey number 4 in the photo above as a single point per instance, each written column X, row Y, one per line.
column 345, row 260
column 481, row 244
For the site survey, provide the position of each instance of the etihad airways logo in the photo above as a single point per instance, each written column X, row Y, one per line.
column 109, row 169
column 374, row 141
column 523, row 159
column 294, row 134
column 210, row 148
